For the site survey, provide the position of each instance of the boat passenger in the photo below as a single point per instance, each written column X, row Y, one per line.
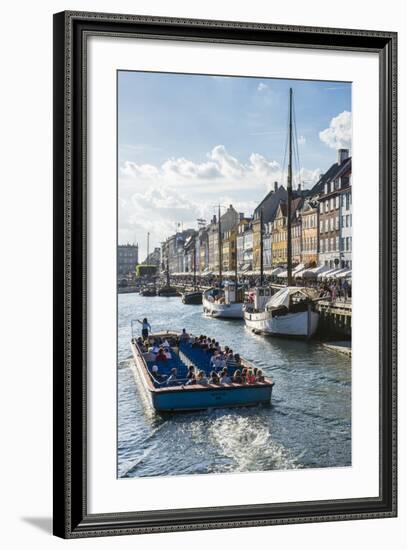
column 172, row 379
column 165, row 344
column 167, row 353
column 224, row 377
column 191, row 372
column 230, row 360
column 238, row 360
column 195, row 343
column 184, row 336
column 201, row 378
column 237, row 377
column 161, row 355
column 157, row 375
column 244, row 375
column 211, row 350
column 145, row 327
column 251, row 379
column 214, row 379
column 191, row 380
column 260, row 376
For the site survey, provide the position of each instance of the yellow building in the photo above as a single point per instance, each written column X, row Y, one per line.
column 256, row 244
column 229, row 250
column 279, row 233
column 309, row 235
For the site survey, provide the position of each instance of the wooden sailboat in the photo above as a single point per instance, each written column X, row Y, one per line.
column 290, row 311
column 167, row 291
column 224, row 302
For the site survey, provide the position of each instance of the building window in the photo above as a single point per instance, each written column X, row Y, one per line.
column 337, row 201
column 337, row 222
column 337, row 243
column 327, row 205
column 321, row 226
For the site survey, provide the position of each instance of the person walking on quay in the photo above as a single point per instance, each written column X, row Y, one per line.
column 145, row 327
column 345, row 288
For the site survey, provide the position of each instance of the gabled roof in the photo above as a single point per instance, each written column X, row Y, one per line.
column 334, row 172
column 296, row 204
column 270, row 203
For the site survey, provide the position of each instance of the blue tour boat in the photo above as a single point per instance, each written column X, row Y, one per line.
column 179, row 396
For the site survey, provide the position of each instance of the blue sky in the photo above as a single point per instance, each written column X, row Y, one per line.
column 186, row 142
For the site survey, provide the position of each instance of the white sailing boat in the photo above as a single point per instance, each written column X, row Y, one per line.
column 291, row 310
column 224, row 302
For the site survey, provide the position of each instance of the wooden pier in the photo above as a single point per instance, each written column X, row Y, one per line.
column 336, row 318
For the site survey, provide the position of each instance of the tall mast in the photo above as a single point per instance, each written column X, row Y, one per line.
column 168, row 271
column 289, row 193
column 236, row 276
column 219, row 247
column 148, row 245
column 194, row 264
column 261, row 247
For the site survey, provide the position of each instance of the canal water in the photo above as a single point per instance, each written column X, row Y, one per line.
column 307, row 426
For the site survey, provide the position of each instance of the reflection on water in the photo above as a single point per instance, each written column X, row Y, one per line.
column 308, row 424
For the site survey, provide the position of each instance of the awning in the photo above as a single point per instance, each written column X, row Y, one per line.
column 245, row 268
column 276, row 270
column 329, row 274
column 344, row 273
column 315, row 271
column 299, row 273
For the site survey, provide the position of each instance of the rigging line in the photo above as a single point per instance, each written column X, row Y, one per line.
column 283, row 179
column 296, row 148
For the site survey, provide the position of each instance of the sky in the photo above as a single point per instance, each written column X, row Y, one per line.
column 187, row 143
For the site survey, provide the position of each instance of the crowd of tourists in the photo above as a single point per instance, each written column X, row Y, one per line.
column 225, row 366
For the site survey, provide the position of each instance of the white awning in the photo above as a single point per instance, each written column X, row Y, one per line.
column 315, row 271
column 299, row 273
column 329, row 274
column 282, row 297
column 276, row 270
column 344, row 273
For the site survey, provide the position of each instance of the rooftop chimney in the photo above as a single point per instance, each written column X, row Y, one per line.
column 343, row 154
column 275, row 186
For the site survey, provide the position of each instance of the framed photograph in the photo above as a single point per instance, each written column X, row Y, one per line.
column 224, row 274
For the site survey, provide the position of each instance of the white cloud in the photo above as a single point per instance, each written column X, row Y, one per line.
column 261, row 87
column 339, row 133
column 301, row 140
column 154, row 198
column 221, row 168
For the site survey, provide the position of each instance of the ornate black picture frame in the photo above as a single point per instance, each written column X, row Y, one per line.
column 71, row 31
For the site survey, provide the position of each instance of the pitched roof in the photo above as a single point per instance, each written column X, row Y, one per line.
column 296, row 204
column 270, row 203
column 335, row 171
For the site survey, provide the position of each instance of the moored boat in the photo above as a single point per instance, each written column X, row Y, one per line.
column 289, row 312
column 153, row 379
column 148, row 291
column 167, row 292
column 223, row 302
column 193, row 297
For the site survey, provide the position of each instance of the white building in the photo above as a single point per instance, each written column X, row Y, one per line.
column 345, row 212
